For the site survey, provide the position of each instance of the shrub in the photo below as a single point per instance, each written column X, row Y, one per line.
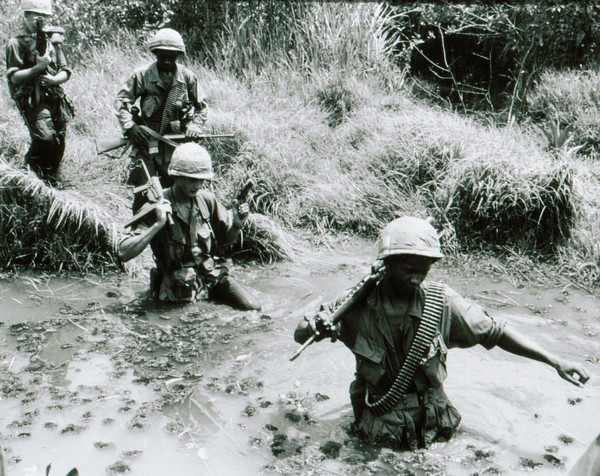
column 569, row 98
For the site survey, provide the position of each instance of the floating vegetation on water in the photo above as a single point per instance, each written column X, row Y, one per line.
column 119, row 467
column 566, row 439
column 331, row 449
column 72, row 428
column 131, row 454
column 103, row 445
column 528, row 463
column 555, row 461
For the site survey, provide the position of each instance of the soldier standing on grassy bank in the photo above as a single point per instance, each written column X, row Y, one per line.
column 400, row 334
column 170, row 101
column 34, row 81
column 190, row 224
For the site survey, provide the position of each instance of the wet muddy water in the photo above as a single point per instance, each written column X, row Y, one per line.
column 95, row 378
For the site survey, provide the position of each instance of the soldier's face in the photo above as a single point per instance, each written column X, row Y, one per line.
column 166, row 60
column 407, row 271
column 189, row 186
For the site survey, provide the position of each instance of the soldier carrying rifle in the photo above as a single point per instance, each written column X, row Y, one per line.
column 170, row 101
column 400, row 329
column 185, row 230
column 36, row 68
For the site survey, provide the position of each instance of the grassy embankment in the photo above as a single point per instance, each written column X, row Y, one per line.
column 335, row 144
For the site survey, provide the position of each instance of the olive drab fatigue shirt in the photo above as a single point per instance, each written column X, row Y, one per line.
column 378, row 358
column 21, row 54
column 145, row 84
column 187, row 248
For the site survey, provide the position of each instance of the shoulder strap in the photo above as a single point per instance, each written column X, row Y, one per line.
column 432, row 313
column 205, row 213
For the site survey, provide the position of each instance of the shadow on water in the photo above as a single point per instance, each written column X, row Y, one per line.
column 97, row 377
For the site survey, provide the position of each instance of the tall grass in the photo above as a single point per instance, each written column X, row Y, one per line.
column 333, row 143
column 569, row 98
column 312, row 37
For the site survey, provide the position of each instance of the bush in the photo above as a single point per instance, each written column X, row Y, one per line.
column 569, row 98
column 486, row 56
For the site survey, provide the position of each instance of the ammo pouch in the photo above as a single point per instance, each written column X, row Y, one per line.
column 185, row 283
column 213, row 269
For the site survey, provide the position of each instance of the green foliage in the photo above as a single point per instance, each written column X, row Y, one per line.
column 74, row 233
column 568, row 99
column 337, row 100
column 486, row 55
column 500, row 204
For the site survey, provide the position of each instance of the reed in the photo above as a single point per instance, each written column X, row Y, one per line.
column 49, row 229
column 334, row 143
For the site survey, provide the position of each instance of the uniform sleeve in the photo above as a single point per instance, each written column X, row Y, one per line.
column 136, row 230
column 221, row 218
column 198, row 98
column 61, row 60
column 126, row 97
column 14, row 61
column 470, row 324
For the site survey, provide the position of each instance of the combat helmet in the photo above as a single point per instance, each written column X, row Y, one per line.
column 167, row 39
column 409, row 236
column 37, row 6
column 191, row 160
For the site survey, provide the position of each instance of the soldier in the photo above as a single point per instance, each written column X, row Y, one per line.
column 190, row 224
column 171, row 101
column 34, row 81
column 398, row 396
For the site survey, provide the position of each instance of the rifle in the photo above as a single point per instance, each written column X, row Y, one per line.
column 111, row 143
column 154, row 194
column 242, row 196
column 357, row 293
column 40, row 37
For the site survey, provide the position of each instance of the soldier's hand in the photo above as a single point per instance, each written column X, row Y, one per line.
column 193, row 131
column 240, row 213
column 322, row 327
column 57, row 39
column 572, row 372
column 49, row 80
column 42, row 62
column 137, row 135
column 163, row 209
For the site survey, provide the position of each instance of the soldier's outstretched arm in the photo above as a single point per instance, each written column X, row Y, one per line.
column 516, row 343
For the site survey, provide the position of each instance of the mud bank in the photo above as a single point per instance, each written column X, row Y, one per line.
column 95, row 378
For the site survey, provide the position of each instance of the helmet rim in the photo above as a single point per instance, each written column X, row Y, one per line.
column 409, row 236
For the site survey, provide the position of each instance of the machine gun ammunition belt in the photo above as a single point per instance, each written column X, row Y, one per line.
column 432, row 313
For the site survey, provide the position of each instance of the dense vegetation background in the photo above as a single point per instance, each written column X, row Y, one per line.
column 346, row 115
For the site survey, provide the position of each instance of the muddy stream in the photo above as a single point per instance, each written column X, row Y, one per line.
column 93, row 377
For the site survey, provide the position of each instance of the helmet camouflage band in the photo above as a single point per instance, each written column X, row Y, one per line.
column 167, row 39
column 191, row 160
column 409, row 236
column 37, row 6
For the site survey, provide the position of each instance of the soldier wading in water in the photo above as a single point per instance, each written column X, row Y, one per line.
column 189, row 225
column 398, row 396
